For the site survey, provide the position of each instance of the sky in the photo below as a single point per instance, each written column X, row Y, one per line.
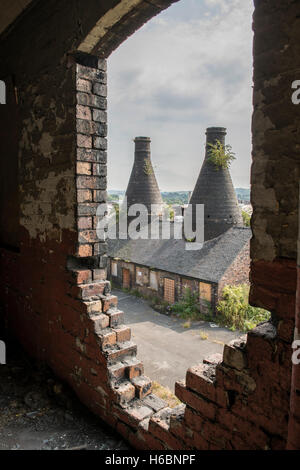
column 187, row 69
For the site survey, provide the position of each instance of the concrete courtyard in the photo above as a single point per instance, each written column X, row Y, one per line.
column 165, row 346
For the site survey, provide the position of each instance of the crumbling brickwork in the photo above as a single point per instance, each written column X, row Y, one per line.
column 238, row 272
column 53, row 291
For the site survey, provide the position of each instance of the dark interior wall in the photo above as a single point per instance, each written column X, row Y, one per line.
column 9, row 188
column 38, row 142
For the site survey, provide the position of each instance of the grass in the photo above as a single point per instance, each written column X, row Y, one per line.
column 203, row 335
column 165, row 394
column 235, row 311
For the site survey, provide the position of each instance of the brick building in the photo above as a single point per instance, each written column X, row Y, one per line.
column 53, row 291
column 164, row 268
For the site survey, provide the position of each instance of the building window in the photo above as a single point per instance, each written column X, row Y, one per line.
column 169, row 290
column 205, row 291
column 153, row 280
column 114, row 269
column 139, row 277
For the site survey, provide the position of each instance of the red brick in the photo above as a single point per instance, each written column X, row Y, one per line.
column 134, row 413
column 85, row 223
column 100, row 322
column 83, row 112
column 152, row 442
column 197, row 381
column 183, row 432
column 93, row 308
column 124, row 392
column 285, row 330
column 84, row 141
column 217, row 435
column 199, row 442
column 85, row 250
column 294, row 434
column 143, row 386
column 83, row 85
column 91, row 290
column 89, row 155
column 123, row 334
column 87, row 182
column 135, row 439
column 87, row 236
column 109, row 302
column 83, row 277
column 134, row 370
column 85, row 195
column 99, row 196
column 206, row 408
column 263, row 298
column 83, row 168
column 119, row 353
column 193, row 420
column 87, row 209
column 123, row 430
column 285, row 307
column 107, row 338
column 159, row 430
column 117, row 371
column 116, row 317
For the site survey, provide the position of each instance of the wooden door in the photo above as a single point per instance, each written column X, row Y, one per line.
column 126, row 278
column 169, row 290
column 205, row 291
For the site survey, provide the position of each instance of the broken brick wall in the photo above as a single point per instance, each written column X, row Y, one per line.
column 54, row 293
column 275, row 174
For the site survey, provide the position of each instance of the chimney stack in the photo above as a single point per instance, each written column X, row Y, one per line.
column 215, row 190
column 142, row 187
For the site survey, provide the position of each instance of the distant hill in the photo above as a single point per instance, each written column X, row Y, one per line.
column 116, row 191
column 176, row 197
column 243, row 194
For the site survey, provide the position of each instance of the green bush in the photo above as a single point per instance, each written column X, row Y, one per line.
column 246, row 218
column 235, row 311
column 221, row 156
column 188, row 306
column 136, row 293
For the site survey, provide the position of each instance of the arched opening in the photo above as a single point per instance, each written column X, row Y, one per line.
column 170, row 81
column 239, row 400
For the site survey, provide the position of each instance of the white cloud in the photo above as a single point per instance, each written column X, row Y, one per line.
column 173, row 78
